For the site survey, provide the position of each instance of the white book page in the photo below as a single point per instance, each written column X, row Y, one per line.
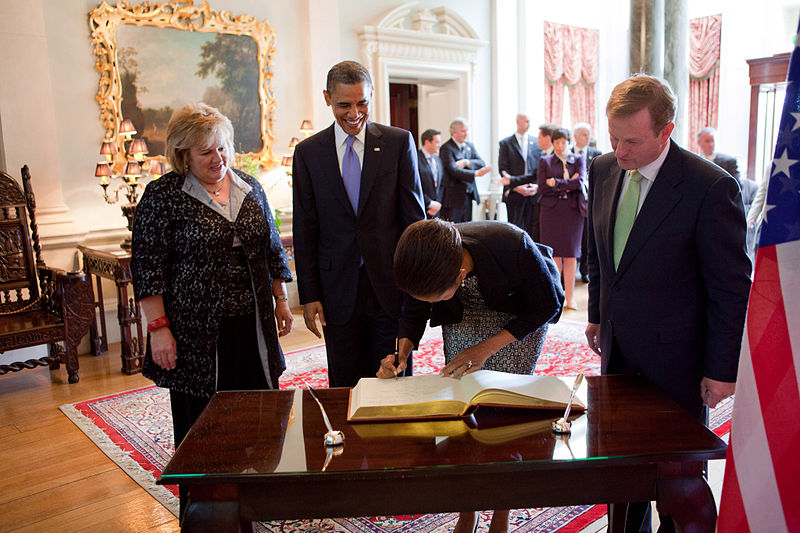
column 374, row 392
column 545, row 387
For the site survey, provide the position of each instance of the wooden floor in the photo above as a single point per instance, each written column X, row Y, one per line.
column 53, row 478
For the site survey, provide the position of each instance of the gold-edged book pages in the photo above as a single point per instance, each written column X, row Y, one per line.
column 431, row 429
column 434, row 396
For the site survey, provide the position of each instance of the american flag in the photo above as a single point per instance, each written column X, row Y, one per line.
column 761, row 487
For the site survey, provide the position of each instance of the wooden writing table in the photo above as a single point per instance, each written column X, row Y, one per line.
column 260, row 456
column 116, row 266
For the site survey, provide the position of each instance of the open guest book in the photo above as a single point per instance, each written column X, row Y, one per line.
column 434, row 396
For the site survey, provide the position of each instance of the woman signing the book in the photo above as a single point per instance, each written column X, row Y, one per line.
column 491, row 288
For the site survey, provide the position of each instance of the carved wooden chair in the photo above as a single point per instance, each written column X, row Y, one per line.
column 38, row 304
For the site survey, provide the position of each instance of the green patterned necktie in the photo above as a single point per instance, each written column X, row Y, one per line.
column 626, row 215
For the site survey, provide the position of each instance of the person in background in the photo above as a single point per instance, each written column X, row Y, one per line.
column 561, row 176
column 517, row 161
column 431, row 171
column 581, row 134
column 755, row 215
column 706, row 142
column 356, row 187
column 668, row 273
column 493, row 290
column 462, row 165
column 206, row 262
column 545, row 138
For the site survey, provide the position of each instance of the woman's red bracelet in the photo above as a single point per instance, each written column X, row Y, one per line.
column 158, row 323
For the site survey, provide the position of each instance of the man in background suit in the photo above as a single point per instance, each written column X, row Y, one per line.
column 517, row 161
column 668, row 273
column 706, row 141
column 581, row 133
column 545, row 138
column 462, row 165
column 356, row 188
column 431, row 171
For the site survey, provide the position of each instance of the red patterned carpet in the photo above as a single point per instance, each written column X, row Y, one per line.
column 134, row 429
column 565, row 353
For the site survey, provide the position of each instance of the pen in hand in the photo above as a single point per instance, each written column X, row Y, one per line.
column 396, row 356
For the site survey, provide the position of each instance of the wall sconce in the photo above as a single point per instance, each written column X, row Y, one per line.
column 132, row 169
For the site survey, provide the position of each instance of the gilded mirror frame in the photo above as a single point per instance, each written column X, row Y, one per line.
column 181, row 15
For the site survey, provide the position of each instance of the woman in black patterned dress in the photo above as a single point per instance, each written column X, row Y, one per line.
column 207, row 261
column 493, row 290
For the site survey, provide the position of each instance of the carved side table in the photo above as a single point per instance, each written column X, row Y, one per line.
column 116, row 266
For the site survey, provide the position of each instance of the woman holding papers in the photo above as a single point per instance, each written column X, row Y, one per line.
column 491, row 288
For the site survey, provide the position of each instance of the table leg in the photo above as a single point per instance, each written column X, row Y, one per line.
column 140, row 334
column 617, row 513
column 214, row 509
column 690, row 503
column 214, row 517
column 103, row 337
column 94, row 335
column 131, row 353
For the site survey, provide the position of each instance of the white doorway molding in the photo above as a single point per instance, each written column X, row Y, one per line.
column 424, row 46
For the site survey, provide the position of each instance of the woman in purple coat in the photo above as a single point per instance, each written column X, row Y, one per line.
column 562, row 178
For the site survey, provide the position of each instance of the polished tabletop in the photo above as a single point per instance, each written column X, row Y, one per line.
column 248, row 435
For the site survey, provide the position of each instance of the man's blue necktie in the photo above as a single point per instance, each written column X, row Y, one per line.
column 351, row 173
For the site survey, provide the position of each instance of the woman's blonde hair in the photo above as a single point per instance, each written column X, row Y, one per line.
column 195, row 125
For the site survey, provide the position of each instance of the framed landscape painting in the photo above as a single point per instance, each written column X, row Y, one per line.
column 154, row 58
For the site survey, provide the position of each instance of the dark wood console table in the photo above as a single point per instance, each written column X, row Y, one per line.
column 259, row 455
column 116, row 266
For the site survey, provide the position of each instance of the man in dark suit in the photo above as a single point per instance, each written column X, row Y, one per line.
column 706, row 142
column 668, row 273
column 581, row 133
column 462, row 165
column 545, row 138
column 356, row 188
column 431, row 171
column 517, row 161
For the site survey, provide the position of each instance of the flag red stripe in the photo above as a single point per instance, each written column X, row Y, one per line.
column 732, row 517
column 774, row 373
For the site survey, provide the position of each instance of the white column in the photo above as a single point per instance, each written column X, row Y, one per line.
column 647, row 37
column 29, row 126
column 676, row 62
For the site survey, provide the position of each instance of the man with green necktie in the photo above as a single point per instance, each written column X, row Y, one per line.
column 668, row 272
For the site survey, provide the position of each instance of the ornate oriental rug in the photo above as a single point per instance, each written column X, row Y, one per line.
column 134, row 429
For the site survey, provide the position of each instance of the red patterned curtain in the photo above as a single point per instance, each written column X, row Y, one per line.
column 570, row 59
column 704, row 46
